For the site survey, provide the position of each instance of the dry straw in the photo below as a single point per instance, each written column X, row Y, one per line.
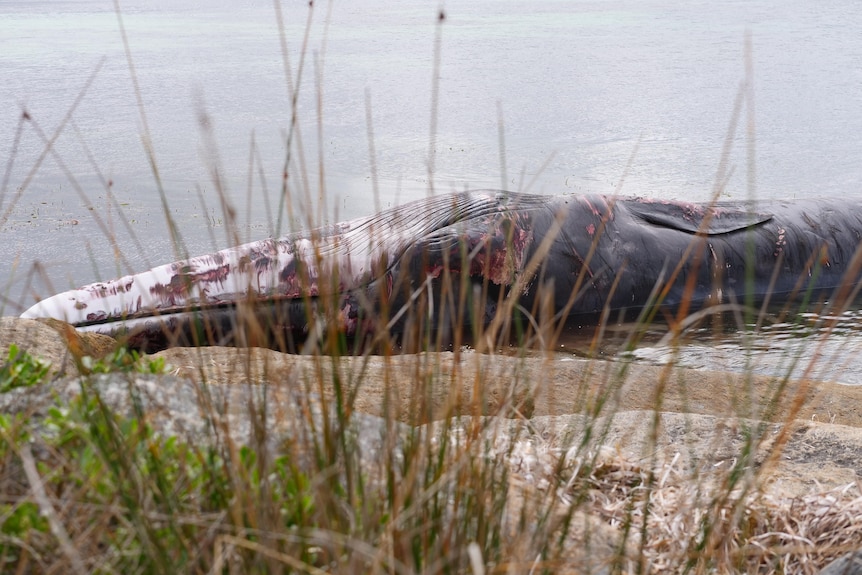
column 454, row 478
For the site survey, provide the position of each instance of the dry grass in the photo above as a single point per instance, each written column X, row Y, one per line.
column 88, row 486
column 685, row 523
column 95, row 486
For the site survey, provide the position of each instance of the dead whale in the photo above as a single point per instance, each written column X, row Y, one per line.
column 467, row 260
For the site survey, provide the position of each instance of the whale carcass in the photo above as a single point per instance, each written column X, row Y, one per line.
column 466, row 261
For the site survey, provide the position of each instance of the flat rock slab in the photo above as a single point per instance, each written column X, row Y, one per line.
column 428, row 386
column 687, row 427
column 263, row 416
column 816, row 456
column 53, row 341
column 705, row 418
column 700, row 417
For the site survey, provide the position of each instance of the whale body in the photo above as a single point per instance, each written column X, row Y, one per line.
column 463, row 260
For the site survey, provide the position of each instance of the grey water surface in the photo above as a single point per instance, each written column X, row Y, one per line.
column 394, row 103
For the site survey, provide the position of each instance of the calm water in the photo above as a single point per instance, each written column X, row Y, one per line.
column 551, row 96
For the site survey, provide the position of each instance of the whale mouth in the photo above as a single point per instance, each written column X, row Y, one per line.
column 266, row 324
column 482, row 234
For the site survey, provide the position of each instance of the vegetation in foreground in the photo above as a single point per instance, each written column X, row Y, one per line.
column 88, row 486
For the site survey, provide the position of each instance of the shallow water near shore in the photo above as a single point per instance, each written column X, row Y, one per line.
column 548, row 97
column 808, row 345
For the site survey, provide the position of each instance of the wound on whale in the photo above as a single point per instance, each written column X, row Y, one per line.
column 447, row 268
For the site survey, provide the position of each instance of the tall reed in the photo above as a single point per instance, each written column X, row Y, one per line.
column 466, row 482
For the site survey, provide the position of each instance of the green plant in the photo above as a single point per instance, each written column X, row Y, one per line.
column 21, row 370
column 124, row 360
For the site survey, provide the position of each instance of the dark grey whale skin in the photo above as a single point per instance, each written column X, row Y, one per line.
column 725, row 252
column 581, row 255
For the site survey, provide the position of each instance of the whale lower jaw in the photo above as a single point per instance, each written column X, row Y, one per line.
column 334, row 259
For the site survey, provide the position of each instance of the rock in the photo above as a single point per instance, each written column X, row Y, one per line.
column 704, row 415
column 54, row 341
column 817, row 456
column 262, row 416
column 428, row 386
column 684, row 428
column 849, row 564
